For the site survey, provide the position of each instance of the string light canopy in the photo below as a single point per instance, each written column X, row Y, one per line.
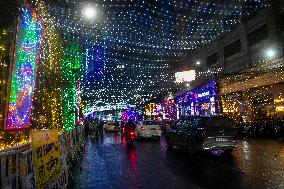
column 129, row 47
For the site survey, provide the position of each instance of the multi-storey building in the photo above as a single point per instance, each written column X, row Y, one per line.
column 247, row 64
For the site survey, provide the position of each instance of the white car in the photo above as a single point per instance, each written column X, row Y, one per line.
column 148, row 129
column 110, row 126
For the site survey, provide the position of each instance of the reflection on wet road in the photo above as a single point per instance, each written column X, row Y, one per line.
column 109, row 163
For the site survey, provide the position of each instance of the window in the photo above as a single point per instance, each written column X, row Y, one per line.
column 178, row 125
column 257, row 35
column 185, row 124
column 232, row 48
column 190, row 123
column 212, row 59
column 217, row 122
column 194, row 122
column 150, row 123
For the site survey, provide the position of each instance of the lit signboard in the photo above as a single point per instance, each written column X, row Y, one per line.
column 185, row 76
column 203, row 94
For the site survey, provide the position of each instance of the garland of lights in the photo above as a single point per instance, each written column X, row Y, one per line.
column 130, row 52
column 71, row 65
column 48, row 108
column 148, row 34
column 240, row 94
column 23, row 76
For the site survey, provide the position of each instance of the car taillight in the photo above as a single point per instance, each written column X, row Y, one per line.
column 143, row 128
column 131, row 133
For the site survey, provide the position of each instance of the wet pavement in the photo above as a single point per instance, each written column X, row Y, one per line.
column 109, row 163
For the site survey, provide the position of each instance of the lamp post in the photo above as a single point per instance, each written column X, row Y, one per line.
column 90, row 12
column 271, row 53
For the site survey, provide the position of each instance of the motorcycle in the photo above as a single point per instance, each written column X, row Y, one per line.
column 130, row 137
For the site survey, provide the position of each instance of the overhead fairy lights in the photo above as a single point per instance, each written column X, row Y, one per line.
column 137, row 42
column 127, row 56
column 116, row 52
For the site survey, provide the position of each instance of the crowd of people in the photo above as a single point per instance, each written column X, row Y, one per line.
column 268, row 127
column 93, row 127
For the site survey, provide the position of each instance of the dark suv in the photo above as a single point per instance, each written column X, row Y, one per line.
column 203, row 133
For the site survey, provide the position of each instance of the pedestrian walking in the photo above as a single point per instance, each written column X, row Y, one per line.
column 101, row 127
column 86, row 127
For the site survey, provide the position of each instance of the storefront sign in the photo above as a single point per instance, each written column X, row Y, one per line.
column 46, row 156
column 203, row 94
column 202, row 100
column 185, row 76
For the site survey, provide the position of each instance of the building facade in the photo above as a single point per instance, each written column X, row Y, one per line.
column 248, row 65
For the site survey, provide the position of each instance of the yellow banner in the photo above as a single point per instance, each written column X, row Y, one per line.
column 46, row 156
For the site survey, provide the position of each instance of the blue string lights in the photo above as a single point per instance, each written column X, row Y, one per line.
column 130, row 47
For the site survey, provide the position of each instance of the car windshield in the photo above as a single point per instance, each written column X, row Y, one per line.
column 218, row 122
column 150, row 123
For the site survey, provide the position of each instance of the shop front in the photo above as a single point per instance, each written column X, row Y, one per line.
column 253, row 97
column 179, row 101
column 202, row 100
column 170, row 111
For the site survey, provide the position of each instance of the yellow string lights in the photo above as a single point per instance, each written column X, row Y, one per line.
column 254, row 94
column 47, row 111
column 50, row 83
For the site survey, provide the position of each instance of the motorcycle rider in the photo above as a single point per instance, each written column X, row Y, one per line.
column 129, row 127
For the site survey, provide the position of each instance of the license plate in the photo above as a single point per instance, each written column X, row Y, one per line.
column 221, row 139
column 153, row 129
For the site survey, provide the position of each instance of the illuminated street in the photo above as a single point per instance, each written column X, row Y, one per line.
column 109, row 163
column 126, row 94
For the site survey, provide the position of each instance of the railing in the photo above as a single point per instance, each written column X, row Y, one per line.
column 16, row 167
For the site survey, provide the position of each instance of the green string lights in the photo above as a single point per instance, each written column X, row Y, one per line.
column 71, row 69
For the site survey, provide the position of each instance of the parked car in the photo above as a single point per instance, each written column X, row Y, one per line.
column 203, row 133
column 111, row 126
column 148, row 129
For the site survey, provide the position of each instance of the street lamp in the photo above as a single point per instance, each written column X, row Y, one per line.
column 197, row 63
column 90, row 12
column 270, row 53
